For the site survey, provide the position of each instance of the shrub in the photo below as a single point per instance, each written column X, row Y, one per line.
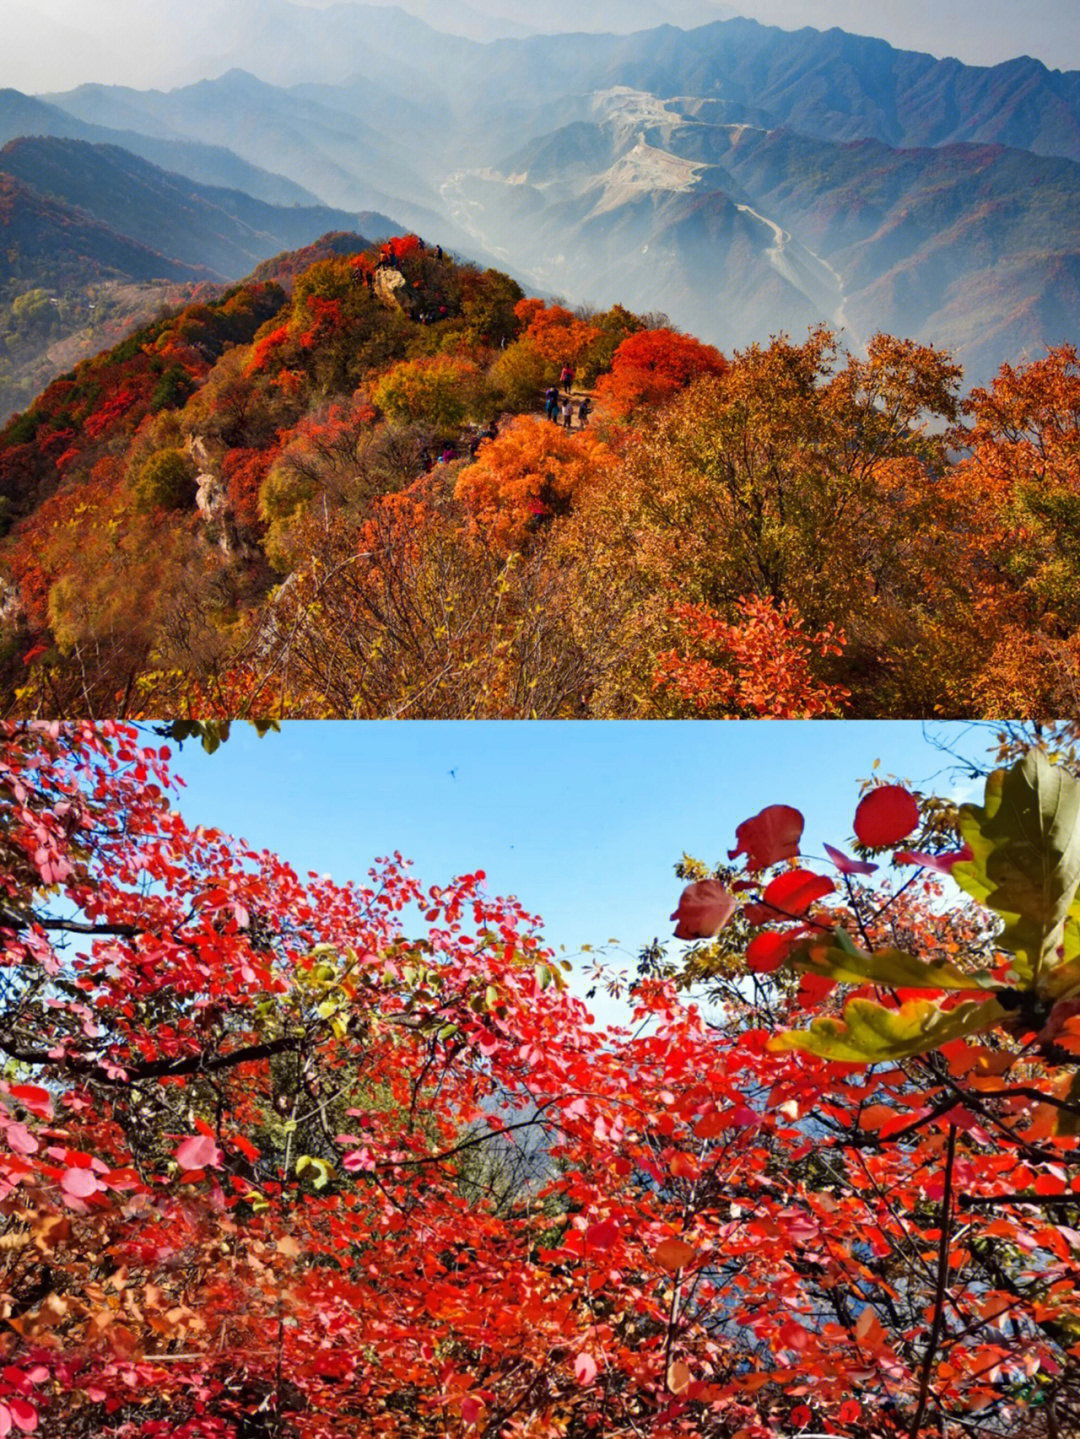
column 166, row 482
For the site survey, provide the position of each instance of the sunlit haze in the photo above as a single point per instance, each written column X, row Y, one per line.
column 52, row 45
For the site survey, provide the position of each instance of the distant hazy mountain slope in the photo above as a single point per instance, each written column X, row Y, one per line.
column 210, row 164
column 223, row 230
column 347, row 161
column 829, row 84
column 742, row 178
column 737, row 231
column 46, row 242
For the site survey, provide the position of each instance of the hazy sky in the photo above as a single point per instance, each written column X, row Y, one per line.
column 55, row 44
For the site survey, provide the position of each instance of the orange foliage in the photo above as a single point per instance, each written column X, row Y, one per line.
column 760, row 666
column 530, row 473
column 558, row 334
column 263, row 349
column 651, row 366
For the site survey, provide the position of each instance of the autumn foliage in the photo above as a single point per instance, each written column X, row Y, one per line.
column 282, row 1156
column 651, row 366
column 790, row 530
column 527, row 476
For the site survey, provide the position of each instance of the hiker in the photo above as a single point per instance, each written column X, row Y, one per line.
column 583, row 411
column 566, row 379
column 551, row 407
column 568, row 412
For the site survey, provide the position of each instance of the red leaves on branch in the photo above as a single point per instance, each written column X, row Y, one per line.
column 651, row 366
column 276, row 1151
column 765, row 662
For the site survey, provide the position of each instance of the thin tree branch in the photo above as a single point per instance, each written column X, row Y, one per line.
column 939, row 1295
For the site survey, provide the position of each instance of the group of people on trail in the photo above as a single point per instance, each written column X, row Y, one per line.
column 561, row 406
column 449, row 451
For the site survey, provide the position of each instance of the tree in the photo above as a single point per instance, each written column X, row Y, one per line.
column 529, row 474
column 651, row 366
column 166, row 481
column 558, row 334
column 1017, row 495
column 441, row 392
column 941, row 1153
column 804, row 478
column 284, row 1156
column 764, row 664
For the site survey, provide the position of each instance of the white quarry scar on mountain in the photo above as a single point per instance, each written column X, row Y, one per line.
column 644, row 170
column 648, row 168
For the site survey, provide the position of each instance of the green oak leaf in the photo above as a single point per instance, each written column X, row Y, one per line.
column 839, row 959
column 1025, row 839
column 870, row 1033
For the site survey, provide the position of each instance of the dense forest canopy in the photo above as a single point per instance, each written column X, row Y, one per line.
column 336, row 490
column 283, row 1156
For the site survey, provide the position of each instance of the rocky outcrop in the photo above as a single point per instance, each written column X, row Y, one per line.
column 12, row 610
column 212, row 502
column 389, row 286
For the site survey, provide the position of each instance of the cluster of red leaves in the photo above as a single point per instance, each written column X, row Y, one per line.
column 762, row 664
column 649, row 367
column 270, row 1154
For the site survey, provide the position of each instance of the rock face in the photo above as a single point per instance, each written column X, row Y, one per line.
column 388, row 285
column 212, row 501
column 12, row 610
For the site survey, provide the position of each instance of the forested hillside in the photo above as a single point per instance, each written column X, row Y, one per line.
column 95, row 242
column 335, row 491
column 741, row 178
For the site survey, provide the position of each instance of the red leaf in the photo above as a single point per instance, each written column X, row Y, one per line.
column 767, row 951
column 704, row 908
column 674, row 1253
column 602, row 1235
column 21, row 1140
column 885, row 816
column 585, row 1369
column 24, row 1414
column 198, row 1152
column 795, row 891
column 941, row 863
column 36, row 1099
column 770, row 836
column 79, row 1183
column 813, row 988
column 849, row 866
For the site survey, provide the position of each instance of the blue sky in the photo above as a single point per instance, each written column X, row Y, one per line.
column 583, row 822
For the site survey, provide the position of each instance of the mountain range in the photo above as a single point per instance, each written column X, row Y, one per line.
column 741, row 178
